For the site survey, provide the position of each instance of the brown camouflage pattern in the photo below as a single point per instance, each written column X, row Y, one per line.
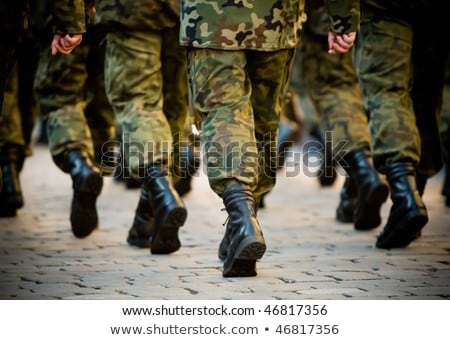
column 238, row 95
column 146, row 84
column 71, row 92
column 262, row 25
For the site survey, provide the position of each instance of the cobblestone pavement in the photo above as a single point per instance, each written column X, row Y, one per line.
column 309, row 255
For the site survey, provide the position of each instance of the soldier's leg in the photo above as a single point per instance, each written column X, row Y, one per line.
column 99, row 113
column 12, row 150
column 60, row 86
column 185, row 163
column 395, row 137
column 136, row 95
column 230, row 144
column 269, row 73
column 332, row 84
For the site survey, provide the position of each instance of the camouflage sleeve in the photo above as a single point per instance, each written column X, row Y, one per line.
column 69, row 16
column 344, row 15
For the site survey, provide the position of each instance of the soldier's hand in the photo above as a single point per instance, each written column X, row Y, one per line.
column 340, row 43
column 65, row 44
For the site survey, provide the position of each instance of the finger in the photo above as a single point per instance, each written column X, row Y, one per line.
column 349, row 38
column 340, row 41
column 339, row 49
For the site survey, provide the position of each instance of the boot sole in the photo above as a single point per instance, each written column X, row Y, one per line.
column 407, row 230
column 139, row 242
column 165, row 237
column 369, row 217
column 85, row 219
column 243, row 261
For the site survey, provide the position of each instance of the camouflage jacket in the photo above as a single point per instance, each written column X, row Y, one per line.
column 263, row 25
column 68, row 16
column 137, row 15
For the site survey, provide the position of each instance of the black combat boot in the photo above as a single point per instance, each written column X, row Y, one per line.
column 372, row 189
column 141, row 231
column 168, row 210
column 11, row 197
column 225, row 242
column 189, row 165
column 345, row 212
column 408, row 213
column 87, row 185
column 246, row 240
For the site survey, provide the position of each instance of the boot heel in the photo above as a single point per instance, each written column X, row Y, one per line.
column 165, row 237
column 369, row 215
column 243, row 261
column 408, row 230
column 241, row 268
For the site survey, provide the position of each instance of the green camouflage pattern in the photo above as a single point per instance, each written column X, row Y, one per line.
column 344, row 15
column 331, row 83
column 262, row 25
column 71, row 92
column 148, row 95
column 137, row 15
column 234, row 24
column 20, row 111
column 11, row 122
column 386, row 87
column 69, row 16
column 238, row 96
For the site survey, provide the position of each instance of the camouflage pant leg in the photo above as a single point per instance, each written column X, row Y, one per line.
column 133, row 79
column 269, row 74
column 20, row 111
column 99, row 114
column 333, row 87
column 175, row 92
column 11, row 122
column 383, row 62
column 60, row 88
column 221, row 85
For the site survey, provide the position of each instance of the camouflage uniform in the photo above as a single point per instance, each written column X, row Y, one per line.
column 145, row 73
column 149, row 95
column 72, row 98
column 263, row 121
column 239, row 58
column 390, row 54
column 17, row 121
column 332, row 83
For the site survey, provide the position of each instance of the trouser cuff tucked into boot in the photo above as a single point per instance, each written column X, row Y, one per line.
column 246, row 240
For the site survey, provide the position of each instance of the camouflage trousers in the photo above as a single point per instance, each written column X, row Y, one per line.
column 384, row 65
column 146, row 83
column 332, row 84
column 238, row 96
column 20, row 110
column 71, row 92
